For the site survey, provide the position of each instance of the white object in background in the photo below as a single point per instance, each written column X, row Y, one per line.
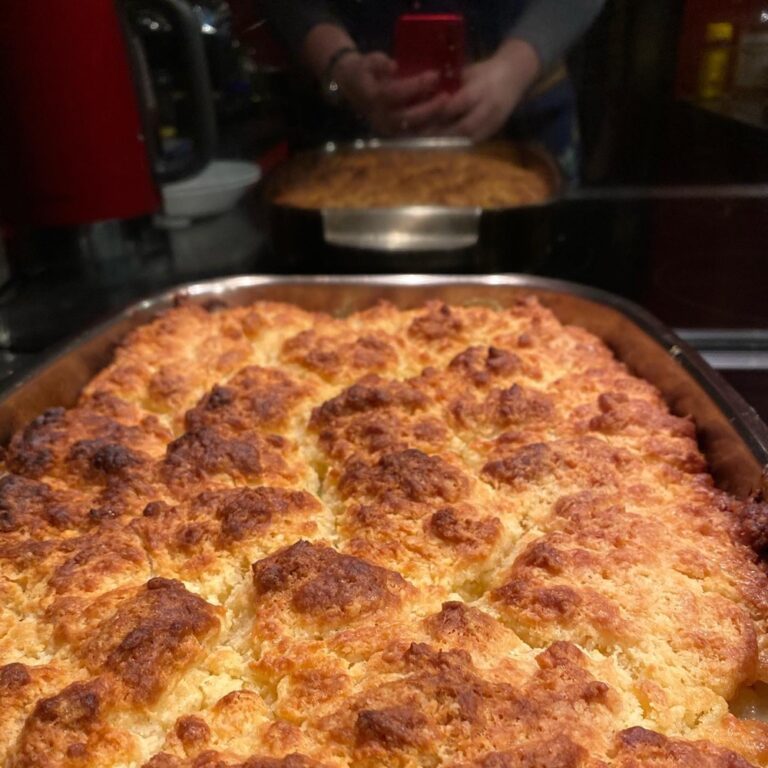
column 215, row 190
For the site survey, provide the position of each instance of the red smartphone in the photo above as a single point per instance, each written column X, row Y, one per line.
column 426, row 41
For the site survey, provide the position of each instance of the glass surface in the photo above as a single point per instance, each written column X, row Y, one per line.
column 658, row 121
column 664, row 93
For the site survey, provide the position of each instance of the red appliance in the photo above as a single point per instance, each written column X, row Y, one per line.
column 76, row 140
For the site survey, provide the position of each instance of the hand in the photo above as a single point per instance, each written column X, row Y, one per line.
column 391, row 105
column 491, row 91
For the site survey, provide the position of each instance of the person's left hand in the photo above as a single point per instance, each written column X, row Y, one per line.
column 491, row 91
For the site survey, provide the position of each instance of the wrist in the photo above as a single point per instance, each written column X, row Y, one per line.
column 344, row 71
column 520, row 60
column 335, row 74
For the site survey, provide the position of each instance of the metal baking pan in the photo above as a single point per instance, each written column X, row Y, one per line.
column 404, row 229
column 732, row 436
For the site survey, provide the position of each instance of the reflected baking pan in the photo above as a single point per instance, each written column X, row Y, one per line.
column 436, row 235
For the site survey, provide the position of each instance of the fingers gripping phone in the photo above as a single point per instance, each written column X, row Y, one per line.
column 425, row 41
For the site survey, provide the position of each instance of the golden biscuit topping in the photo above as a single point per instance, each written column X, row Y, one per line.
column 409, row 474
column 448, row 537
column 151, row 633
column 256, row 398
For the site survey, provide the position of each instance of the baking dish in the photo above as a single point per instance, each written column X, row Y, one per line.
column 732, row 436
column 405, row 228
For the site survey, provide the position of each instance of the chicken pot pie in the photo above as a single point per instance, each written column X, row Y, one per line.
column 460, row 537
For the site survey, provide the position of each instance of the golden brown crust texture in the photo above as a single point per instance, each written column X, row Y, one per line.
column 448, row 537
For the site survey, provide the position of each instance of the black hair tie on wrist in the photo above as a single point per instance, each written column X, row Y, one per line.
column 330, row 86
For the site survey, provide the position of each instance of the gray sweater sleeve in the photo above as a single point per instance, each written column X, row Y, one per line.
column 293, row 19
column 553, row 26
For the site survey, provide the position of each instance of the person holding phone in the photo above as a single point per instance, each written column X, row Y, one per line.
column 514, row 81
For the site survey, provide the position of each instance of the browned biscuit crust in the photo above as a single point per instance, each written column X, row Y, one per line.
column 450, row 537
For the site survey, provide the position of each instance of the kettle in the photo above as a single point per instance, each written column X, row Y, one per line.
column 78, row 133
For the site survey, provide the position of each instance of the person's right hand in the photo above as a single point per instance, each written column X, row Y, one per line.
column 392, row 106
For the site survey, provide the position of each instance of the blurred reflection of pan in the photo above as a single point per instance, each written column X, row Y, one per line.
column 434, row 237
